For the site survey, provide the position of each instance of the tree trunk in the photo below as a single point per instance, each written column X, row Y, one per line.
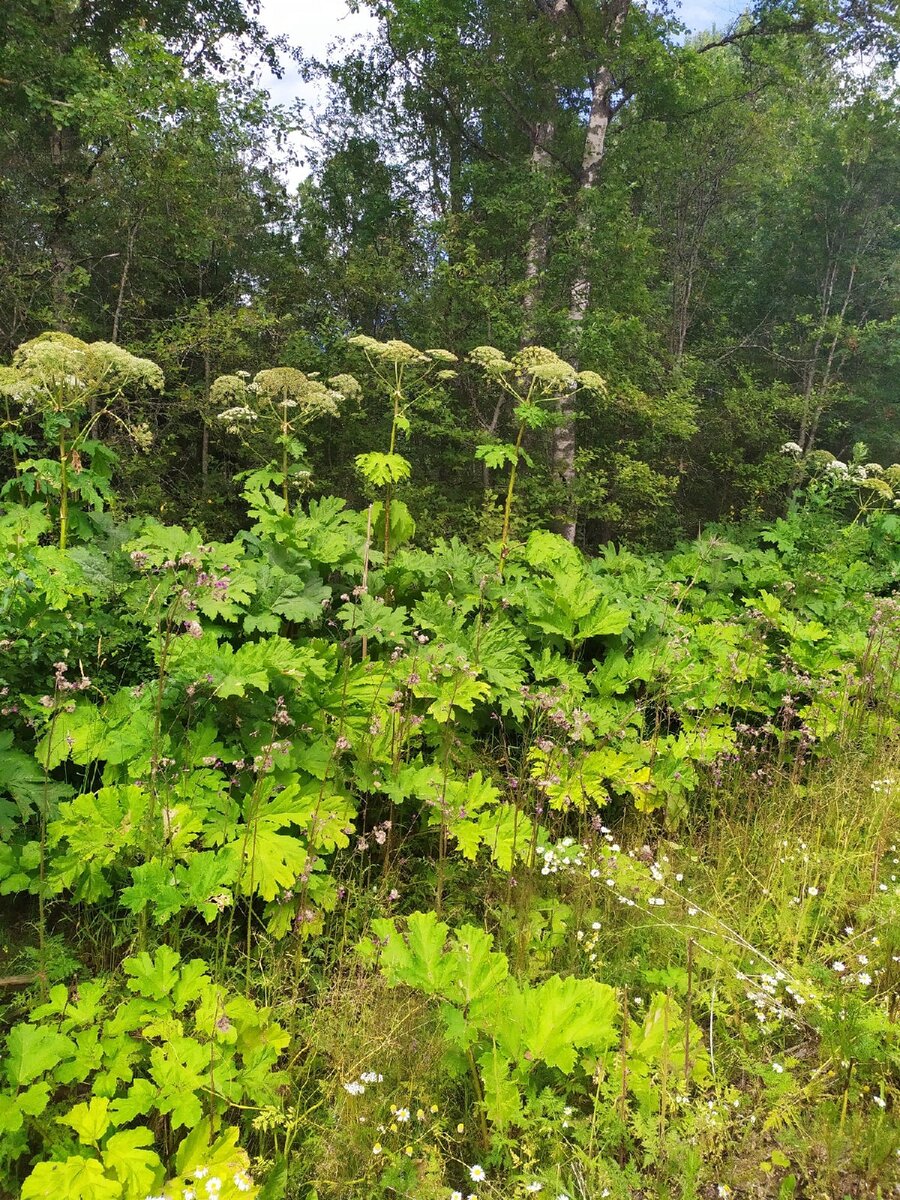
column 815, row 381
column 536, row 249
column 123, row 280
column 60, row 250
column 696, row 202
column 537, row 245
column 813, row 426
column 564, row 445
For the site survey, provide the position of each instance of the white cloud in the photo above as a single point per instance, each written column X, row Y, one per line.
column 312, row 26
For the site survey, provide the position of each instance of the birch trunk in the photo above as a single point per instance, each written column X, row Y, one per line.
column 817, row 375
column 602, row 91
column 123, row 280
column 813, row 428
column 536, row 249
column 537, row 246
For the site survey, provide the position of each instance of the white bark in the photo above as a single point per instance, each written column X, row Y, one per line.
column 603, row 88
column 536, row 250
column 541, row 161
column 123, row 280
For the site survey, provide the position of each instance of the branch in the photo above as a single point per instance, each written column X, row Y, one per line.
column 757, row 30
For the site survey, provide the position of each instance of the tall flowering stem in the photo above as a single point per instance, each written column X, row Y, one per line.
column 59, row 379
column 392, row 362
column 535, row 378
column 280, row 400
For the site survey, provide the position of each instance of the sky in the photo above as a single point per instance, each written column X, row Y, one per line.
column 313, row 25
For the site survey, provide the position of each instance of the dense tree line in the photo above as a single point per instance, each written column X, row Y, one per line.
column 708, row 222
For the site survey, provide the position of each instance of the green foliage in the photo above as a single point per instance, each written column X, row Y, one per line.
column 258, row 752
column 508, row 1029
column 383, row 469
column 160, row 1040
column 610, row 817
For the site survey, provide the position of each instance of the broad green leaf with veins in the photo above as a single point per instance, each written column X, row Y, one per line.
column 180, row 1070
column 15, row 875
column 71, row 735
column 303, row 600
column 71, row 1011
column 95, row 828
column 502, row 1098
column 563, row 1016
column 267, row 860
column 504, row 831
column 153, row 976
column 14, row 1109
column 139, row 1100
column 497, row 454
column 452, row 690
column 32, row 1051
column 381, row 469
column 417, row 958
column 128, row 728
column 370, row 617
column 478, row 971
column 153, row 883
column 402, row 527
column 260, row 664
column 23, row 778
column 573, row 781
column 126, row 1156
column 206, row 874
column 272, row 861
column 86, row 1058
column 272, row 661
column 12, row 1116
column 90, row 1120
column 117, row 1064
column 74, row 1179
column 604, row 619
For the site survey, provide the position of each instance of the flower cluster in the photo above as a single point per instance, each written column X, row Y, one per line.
column 567, row 855
column 357, row 1087
column 392, row 351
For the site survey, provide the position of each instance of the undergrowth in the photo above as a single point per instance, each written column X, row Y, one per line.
column 339, row 867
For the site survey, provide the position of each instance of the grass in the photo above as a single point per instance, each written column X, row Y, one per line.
column 743, row 920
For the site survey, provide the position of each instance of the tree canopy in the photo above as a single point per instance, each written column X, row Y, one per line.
column 707, row 220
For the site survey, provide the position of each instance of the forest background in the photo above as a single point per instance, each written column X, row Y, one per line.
column 706, row 220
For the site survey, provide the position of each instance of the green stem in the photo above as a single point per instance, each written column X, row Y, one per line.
column 387, row 491
column 284, row 467
column 504, row 538
column 396, row 415
column 387, row 524
column 63, row 493
column 151, row 850
column 15, row 457
column 479, row 1096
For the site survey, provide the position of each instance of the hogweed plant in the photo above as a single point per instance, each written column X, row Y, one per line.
column 535, row 379
column 275, row 405
column 615, row 836
column 68, row 387
column 397, row 368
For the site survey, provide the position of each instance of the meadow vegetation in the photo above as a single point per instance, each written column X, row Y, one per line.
column 449, row 601
column 341, row 864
